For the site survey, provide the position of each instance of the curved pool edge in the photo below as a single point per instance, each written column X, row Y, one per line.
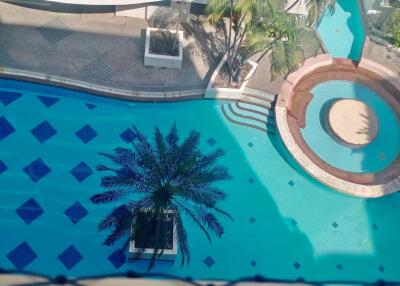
column 101, row 90
column 315, row 170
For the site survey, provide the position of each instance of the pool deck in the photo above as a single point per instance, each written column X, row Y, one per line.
column 102, row 50
column 103, row 53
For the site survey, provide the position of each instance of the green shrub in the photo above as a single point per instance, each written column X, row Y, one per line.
column 394, row 28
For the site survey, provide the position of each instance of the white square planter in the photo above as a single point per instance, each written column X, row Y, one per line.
column 168, row 254
column 154, row 60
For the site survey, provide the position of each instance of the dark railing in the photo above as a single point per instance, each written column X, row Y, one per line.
column 257, row 279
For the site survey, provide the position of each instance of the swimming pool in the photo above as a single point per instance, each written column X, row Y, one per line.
column 373, row 157
column 343, row 33
column 285, row 225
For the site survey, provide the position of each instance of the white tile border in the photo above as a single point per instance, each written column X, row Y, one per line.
column 134, row 95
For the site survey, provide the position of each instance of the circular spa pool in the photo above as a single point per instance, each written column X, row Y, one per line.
column 361, row 136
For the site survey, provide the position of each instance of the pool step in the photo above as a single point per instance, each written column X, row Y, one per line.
column 259, row 93
column 261, row 110
column 253, row 116
column 258, row 97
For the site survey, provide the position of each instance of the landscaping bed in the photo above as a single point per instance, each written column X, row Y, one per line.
column 222, row 78
column 162, row 43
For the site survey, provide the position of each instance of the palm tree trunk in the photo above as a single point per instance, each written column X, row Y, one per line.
column 293, row 4
column 229, row 41
column 177, row 25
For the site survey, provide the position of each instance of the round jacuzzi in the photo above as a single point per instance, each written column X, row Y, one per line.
column 351, row 127
column 340, row 120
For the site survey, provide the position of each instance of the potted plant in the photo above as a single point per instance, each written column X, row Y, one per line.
column 164, row 48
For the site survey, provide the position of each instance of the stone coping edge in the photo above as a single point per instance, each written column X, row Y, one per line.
column 102, row 90
column 281, row 109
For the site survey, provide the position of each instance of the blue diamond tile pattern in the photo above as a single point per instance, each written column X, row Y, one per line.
column 76, row 212
column 22, row 255
column 296, row 265
column 209, row 261
column 29, row 211
column 48, row 101
column 37, row 169
column 81, row 171
column 128, row 135
column 86, row 134
column 3, row 167
column 7, row 97
column 90, row 106
column 253, row 263
column 5, row 128
column 70, row 257
column 117, row 258
column 43, row 132
column 211, row 141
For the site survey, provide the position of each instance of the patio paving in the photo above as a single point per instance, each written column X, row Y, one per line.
column 382, row 54
column 101, row 49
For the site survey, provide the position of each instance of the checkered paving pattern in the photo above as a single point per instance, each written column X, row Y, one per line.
column 97, row 70
column 54, row 31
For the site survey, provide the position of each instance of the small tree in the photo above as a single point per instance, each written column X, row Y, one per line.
column 239, row 13
column 316, row 9
column 394, row 28
column 261, row 26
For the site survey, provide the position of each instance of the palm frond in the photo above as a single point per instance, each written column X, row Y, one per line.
column 163, row 176
column 194, row 218
column 182, row 239
column 109, row 196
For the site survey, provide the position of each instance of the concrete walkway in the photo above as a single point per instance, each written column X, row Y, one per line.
column 100, row 49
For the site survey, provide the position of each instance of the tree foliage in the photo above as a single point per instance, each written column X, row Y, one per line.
column 156, row 180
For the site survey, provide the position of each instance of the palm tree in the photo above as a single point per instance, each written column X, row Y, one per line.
column 264, row 27
column 316, row 9
column 157, row 180
column 282, row 36
column 239, row 13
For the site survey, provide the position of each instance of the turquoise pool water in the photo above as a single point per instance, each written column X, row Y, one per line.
column 377, row 155
column 343, row 33
column 285, row 224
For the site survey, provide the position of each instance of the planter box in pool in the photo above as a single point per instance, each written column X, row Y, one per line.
column 145, row 242
column 164, row 61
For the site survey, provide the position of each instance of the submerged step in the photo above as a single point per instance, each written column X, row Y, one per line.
column 245, row 120
column 256, row 109
column 251, row 115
